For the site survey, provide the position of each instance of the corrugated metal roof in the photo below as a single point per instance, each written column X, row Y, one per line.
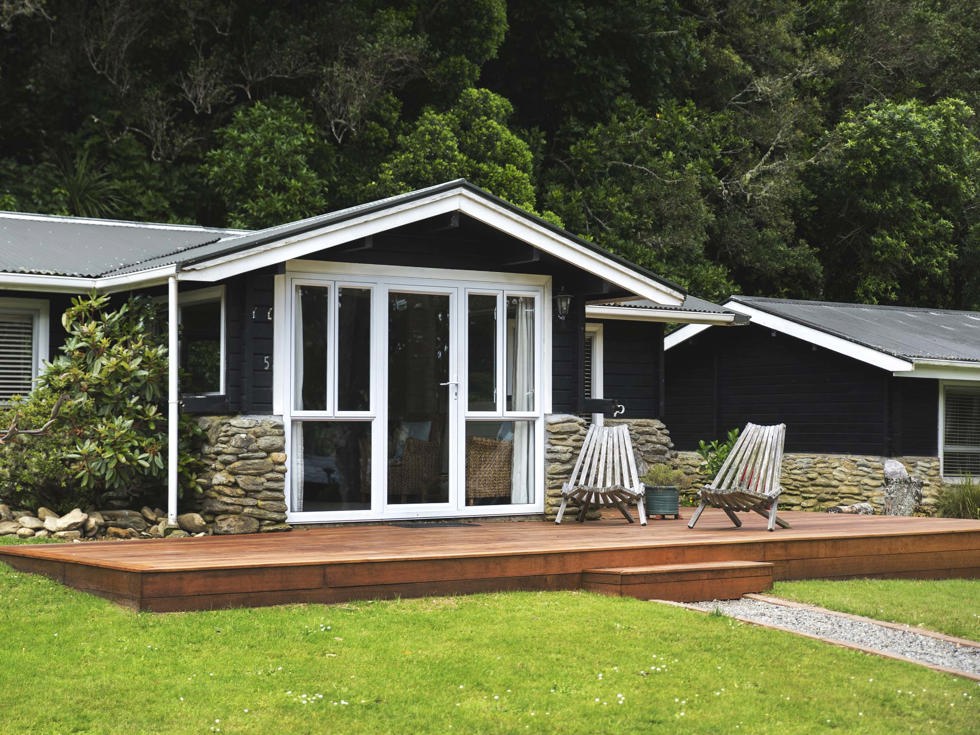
column 904, row 332
column 691, row 303
column 74, row 246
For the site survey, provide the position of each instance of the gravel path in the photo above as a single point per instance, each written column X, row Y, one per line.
column 849, row 630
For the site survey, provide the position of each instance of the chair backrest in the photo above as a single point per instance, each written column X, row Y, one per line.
column 606, row 460
column 755, row 462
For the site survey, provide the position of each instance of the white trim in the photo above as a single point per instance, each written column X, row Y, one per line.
column 204, row 295
column 457, row 285
column 973, row 387
column 81, row 284
column 598, row 359
column 454, row 200
column 683, row 334
column 950, row 370
column 173, row 397
column 841, row 346
column 669, row 316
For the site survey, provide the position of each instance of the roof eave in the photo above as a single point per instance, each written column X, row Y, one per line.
column 666, row 316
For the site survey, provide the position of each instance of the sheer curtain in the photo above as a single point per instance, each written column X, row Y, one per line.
column 523, row 371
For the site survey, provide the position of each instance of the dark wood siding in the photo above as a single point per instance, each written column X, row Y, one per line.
column 630, row 371
column 830, row 403
column 915, row 417
column 564, row 365
column 256, row 345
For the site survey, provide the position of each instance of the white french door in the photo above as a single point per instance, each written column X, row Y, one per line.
column 413, row 397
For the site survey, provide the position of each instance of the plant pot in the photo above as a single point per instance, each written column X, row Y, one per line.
column 662, row 500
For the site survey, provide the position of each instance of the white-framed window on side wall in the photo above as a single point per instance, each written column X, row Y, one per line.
column 959, row 429
column 23, row 344
column 593, row 365
column 202, row 341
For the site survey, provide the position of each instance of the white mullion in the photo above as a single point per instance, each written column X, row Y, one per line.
column 379, row 398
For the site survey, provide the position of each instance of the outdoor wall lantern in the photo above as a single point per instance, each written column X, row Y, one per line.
column 563, row 302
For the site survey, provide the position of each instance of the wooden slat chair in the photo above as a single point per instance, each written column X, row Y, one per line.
column 749, row 478
column 605, row 474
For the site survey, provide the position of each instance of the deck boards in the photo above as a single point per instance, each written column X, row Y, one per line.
column 341, row 563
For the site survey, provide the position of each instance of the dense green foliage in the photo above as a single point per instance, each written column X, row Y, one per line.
column 505, row 663
column 110, row 437
column 960, row 500
column 777, row 147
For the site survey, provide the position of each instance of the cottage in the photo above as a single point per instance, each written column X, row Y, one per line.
column 858, row 382
column 400, row 359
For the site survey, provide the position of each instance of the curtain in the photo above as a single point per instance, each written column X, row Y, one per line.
column 523, row 371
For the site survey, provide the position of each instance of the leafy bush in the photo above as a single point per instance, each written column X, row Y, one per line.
column 663, row 475
column 111, row 435
column 713, row 455
column 959, row 500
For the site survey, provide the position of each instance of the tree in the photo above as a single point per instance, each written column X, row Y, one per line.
column 264, row 165
column 895, row 203
column 470, row 140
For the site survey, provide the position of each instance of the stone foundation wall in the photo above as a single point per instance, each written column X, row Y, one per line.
column 822, row 481
column 565, row 434
column 244, row 488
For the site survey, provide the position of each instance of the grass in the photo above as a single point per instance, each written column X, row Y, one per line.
column 502, row 663
column 950, row 606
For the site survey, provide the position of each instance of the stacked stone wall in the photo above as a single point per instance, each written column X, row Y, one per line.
column 563, row 442
column 822, row 481
column 244, row 483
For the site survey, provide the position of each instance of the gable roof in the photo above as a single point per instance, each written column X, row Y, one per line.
column 907, row 341
column 117, row 255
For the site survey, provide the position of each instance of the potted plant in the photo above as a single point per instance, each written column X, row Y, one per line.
column 662, row 485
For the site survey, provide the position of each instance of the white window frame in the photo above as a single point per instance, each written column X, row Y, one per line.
column 381, row 280
column 595, row 330
column 200, row 296
column 40, row 312
column 966, row 387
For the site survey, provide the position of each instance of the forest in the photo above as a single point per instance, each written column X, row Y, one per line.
column 824, row 149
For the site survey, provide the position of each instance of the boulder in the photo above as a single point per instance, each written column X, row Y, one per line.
column 68, row 535
column 25, row 532
column 5, row 513
column 149, row 515
column 120, row 533
column 235, row 524
column 129, row 519
column 9, row 528
column 192, row 523
column 44, row 513
column 35, row 524
column 70, row 522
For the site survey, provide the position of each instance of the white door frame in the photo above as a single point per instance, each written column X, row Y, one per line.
column 381, row 280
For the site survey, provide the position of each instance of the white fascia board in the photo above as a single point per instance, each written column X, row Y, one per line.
column 673, row 316
column 81, row 284
column 324, row 238
column 841, row 346
column 554, row 244
column 942, row 370
column 454, row 200
column 683, row 334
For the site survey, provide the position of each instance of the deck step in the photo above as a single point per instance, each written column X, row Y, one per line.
column 719, row 580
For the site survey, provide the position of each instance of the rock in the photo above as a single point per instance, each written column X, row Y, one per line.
column 250, row 483
column 222, row 478
column 895, row 470
column 864, row 509
column 125, row 519
column 176, row 533
column 191, row 523
column 68, row 535
column 9, row 528
column 5, row 513
column 70, row 522
column 235, row 524
column 44, row 513
column 273, row 527
column 35, row 524
column 51, row 523
column 41, row 534
column 270, row 443
column 116, row 532
column 148, row 514
column 278, row 458
column 250, row 467
column 25, row 532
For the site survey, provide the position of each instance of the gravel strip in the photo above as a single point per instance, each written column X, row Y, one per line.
column 848, row 630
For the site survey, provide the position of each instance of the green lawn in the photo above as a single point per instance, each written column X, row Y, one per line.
column 507, row 663
column 950, row 606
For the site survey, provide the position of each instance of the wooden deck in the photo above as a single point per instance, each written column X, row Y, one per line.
column 342, row 563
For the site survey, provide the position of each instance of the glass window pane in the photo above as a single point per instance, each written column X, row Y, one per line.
column 332, row 466
column 354, row 350
column 418, row 399
column 310, row 380
column 482, row 353
column 499, row 462
column 520, row 353
column 200, row 347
